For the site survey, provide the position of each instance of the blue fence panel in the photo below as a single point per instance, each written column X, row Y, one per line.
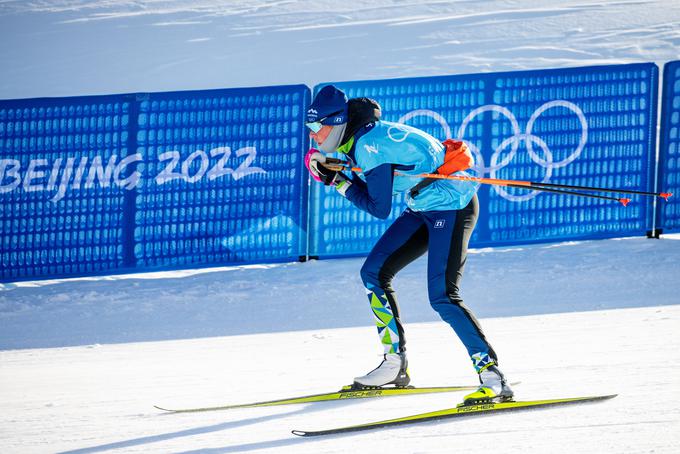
column 583, row 126
column 222, row 177
column 592, row 126
column 63, row 174
column 669, row 149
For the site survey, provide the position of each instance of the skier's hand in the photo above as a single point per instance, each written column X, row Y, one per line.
column 314, row 161
column 327, row 176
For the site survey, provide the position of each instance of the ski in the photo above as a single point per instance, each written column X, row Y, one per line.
column 347, row 392
column 460, row 411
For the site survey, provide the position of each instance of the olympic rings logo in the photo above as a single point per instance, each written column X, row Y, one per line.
column 513, row 142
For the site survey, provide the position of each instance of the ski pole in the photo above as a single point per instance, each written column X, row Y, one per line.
column 337, row 164
column 514, row 184
column 622, row 201
column 664, row 195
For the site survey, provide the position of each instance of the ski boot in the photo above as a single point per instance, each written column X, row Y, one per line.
column 493, row 388
column 391, row 371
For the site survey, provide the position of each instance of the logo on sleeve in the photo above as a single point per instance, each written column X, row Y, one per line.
column 371, row 149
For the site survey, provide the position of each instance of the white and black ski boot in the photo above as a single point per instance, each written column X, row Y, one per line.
column 393, row 370
column 493, row 388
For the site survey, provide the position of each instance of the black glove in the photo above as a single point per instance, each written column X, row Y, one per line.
column 326, row 175
column 315, row 163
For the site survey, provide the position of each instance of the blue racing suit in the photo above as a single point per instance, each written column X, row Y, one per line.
column 440, row 219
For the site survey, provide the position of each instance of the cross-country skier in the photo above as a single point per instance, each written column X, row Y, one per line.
column 439, row 219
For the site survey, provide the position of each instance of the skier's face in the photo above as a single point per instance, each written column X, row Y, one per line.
column 320, row 136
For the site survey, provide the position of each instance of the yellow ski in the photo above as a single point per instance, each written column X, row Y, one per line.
column 347, row 392
column 460, row 411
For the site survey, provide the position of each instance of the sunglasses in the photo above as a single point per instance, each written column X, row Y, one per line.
column 315, row 126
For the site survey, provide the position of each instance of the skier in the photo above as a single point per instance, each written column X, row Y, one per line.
column 439, row 218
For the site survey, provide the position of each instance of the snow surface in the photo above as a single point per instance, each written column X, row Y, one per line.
column 303, row 328
column 99, row 398
column 77, row 47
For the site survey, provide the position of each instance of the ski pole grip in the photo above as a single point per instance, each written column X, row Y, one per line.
column 335, row 164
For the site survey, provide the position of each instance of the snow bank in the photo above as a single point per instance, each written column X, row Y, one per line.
column 537, row 279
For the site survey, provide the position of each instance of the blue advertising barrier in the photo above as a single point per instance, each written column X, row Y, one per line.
column 109, row 183
column 104, row 184
column 63, row 177
column 669, row 149
column 590, row 126
column 222, row 176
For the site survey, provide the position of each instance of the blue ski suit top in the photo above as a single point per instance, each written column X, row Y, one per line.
column 382, row 147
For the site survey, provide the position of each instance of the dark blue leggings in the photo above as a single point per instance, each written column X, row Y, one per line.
column 446, row 235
